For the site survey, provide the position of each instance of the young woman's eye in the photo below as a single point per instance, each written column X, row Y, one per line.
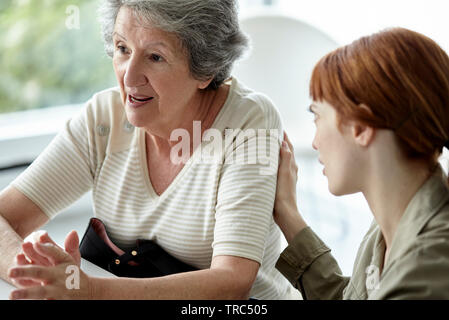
column 155, row 57
column 315, row 116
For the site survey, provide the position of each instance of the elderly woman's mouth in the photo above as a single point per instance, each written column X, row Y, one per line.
column 136, row 101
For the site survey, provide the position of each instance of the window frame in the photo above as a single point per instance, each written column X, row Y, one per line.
column 25, row 134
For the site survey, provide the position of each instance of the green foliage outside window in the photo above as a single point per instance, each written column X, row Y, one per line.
column 45, row 59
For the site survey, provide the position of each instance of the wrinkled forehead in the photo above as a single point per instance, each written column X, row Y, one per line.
column 131, row 25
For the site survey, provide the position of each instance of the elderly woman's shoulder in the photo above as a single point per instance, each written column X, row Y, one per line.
column 107, row 99
column 251, row 104
column 105, row 105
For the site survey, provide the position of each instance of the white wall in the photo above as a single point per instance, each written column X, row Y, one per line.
column 347, row 20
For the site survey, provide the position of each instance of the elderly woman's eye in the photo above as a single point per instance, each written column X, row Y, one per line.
column 122, row 49
column 155, row 57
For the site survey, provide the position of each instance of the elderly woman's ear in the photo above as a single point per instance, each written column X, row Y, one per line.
column 204, row 84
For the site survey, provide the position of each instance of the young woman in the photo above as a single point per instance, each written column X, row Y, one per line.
column 381, row 107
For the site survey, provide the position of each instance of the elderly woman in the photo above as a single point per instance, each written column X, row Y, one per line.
column 381, row 107
column 172, row 60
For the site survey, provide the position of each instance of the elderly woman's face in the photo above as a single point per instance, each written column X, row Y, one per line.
column 152, row 69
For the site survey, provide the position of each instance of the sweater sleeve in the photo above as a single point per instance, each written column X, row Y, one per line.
column 309, row 266
column 247, row 186
column 65, row 170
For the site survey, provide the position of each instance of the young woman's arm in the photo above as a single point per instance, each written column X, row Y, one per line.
column 306, row 262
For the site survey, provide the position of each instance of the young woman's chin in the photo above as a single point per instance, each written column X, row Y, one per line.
column 335, row 191
column 336, row 186
column 341, row 189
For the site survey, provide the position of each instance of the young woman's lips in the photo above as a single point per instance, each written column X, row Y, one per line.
column 324, row 168
column 138, row 101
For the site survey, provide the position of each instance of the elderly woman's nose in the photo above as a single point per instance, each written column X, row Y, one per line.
column 134, row 76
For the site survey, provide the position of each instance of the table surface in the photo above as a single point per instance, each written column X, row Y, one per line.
column 86, row 266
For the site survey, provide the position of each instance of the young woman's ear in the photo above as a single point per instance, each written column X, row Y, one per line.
column 363, row 135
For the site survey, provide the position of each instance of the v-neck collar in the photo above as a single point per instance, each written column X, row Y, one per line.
column 141, row 143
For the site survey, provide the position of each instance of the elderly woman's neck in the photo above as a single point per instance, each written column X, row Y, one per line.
column 210, row 105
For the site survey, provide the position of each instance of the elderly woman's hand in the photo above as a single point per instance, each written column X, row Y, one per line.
column 286, row 213
column 61, row 278
column 30, row 255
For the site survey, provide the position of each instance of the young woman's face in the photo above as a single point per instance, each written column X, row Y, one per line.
column 337, row 150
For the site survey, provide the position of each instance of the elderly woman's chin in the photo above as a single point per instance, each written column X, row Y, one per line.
column 137, row 116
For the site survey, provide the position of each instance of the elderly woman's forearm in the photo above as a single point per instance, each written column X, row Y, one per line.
column 19, row 216
column 203, row 284
column 10, row 246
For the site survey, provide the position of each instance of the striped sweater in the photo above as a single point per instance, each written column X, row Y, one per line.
column 219, row 207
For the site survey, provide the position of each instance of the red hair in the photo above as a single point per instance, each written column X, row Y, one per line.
column 401, row 76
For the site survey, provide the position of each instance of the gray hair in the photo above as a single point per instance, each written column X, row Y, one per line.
column 208, row 30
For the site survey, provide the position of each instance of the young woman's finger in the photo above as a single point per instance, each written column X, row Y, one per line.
column 286, row 139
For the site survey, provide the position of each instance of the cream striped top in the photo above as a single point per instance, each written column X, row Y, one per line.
column 213, row 207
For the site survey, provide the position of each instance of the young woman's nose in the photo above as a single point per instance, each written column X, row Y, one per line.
column 314, row 145
column 134, row 76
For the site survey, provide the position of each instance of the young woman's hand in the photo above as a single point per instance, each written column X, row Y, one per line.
column 286, row 213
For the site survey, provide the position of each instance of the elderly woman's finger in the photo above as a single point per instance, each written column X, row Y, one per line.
column 31, row 253
column 32, row 272
column 53, row 253
column 45, row 238
column 71, row 245
column 21, row 260
column 36, row 292
column 26, row 283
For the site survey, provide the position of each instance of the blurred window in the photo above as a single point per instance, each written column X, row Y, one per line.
column 52, row 54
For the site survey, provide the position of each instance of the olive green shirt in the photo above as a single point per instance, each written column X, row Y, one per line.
column 417, row 266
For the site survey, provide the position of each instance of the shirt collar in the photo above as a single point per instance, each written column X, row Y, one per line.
column 427, row 201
